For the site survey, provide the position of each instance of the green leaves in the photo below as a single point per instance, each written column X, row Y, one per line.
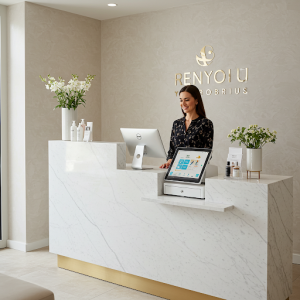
column 70, row 100
column 254, row 137
column 43, row 79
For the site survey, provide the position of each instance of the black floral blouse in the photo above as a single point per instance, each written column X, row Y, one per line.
column 200, row 134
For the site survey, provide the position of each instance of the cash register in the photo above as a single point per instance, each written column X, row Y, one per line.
column 187, row 172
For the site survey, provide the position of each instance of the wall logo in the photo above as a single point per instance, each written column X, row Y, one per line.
column 204, row 61
column 138, row 136
column 220, row 79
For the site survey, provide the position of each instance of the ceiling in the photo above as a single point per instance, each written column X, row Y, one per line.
column 98, row 9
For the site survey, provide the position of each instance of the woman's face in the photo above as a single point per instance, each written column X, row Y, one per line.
column 187, row 102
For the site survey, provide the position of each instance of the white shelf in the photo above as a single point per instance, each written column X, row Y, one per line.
column 188, row 202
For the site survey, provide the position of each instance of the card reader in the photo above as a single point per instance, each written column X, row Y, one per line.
column 190, row 190
column 185, row 189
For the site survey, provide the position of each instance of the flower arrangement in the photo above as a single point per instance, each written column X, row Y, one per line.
column 254, row 137
column 71, row 95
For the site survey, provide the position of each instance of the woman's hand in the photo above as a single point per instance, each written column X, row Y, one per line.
column 166, row 165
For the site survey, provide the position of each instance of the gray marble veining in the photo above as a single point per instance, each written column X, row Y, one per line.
column 97, row 216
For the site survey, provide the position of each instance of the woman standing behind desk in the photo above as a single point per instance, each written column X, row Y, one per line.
column 194, row 129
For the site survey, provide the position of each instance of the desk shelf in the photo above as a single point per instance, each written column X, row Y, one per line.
column 188, row 202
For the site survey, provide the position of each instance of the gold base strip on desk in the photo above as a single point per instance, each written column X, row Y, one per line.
column 145, row 285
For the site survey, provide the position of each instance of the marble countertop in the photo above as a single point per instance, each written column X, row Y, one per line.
column 96, row 215
column 264, row 179
column 152, row 169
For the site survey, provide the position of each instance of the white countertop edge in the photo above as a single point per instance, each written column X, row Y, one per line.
column 265, row 179
column 188, row 202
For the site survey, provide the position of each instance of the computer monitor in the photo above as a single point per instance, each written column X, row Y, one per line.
column 143, row 142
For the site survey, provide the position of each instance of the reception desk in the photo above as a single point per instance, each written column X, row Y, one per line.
column 114, row 223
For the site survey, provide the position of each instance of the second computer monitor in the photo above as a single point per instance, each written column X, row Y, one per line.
column 148, row 138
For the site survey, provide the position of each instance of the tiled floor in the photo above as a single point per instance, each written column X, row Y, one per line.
column 40, row 267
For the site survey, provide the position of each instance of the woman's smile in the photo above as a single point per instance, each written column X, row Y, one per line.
column 188, row 103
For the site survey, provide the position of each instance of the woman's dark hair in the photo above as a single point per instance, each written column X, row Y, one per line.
column 194, row 91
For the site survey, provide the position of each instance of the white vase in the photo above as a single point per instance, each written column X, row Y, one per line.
column 254, row 159
column 67, row 116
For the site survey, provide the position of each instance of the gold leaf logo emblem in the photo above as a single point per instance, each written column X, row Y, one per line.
column 203, row 60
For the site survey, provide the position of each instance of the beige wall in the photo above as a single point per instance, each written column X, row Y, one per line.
column 140, row 55
column 4, row 126
column 16, row 123
column 61, row 44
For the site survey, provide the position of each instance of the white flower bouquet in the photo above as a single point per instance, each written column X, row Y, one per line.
column 253, row 137
column 69, row 96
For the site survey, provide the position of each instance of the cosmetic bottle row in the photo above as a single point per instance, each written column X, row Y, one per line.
column 83, row 132
column 233, row 168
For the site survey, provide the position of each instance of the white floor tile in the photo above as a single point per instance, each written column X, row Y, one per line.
column 40, row 267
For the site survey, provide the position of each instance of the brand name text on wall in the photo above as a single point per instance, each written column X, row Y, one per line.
column 207, row 77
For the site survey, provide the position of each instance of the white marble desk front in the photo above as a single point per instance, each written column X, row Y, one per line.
column 97, row 216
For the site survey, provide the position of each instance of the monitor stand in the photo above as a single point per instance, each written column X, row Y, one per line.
column 137, row 162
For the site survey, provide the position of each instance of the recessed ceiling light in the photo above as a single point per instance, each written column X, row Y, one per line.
column 112, row 4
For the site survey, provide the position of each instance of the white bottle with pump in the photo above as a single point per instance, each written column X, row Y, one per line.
column 73, row 132
column 79, row 133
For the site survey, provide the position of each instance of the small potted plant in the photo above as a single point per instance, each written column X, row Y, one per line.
column 69, row 97
column 254, row 138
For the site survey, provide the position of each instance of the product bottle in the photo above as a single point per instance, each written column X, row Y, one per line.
column 73, row 132
column 227, row 170
column 79, row 133
column 236, row 170
column 231, row 168
column 90, row 124
column 83, row 125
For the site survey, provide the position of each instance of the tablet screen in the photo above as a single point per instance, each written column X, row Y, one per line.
column 188, row 164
